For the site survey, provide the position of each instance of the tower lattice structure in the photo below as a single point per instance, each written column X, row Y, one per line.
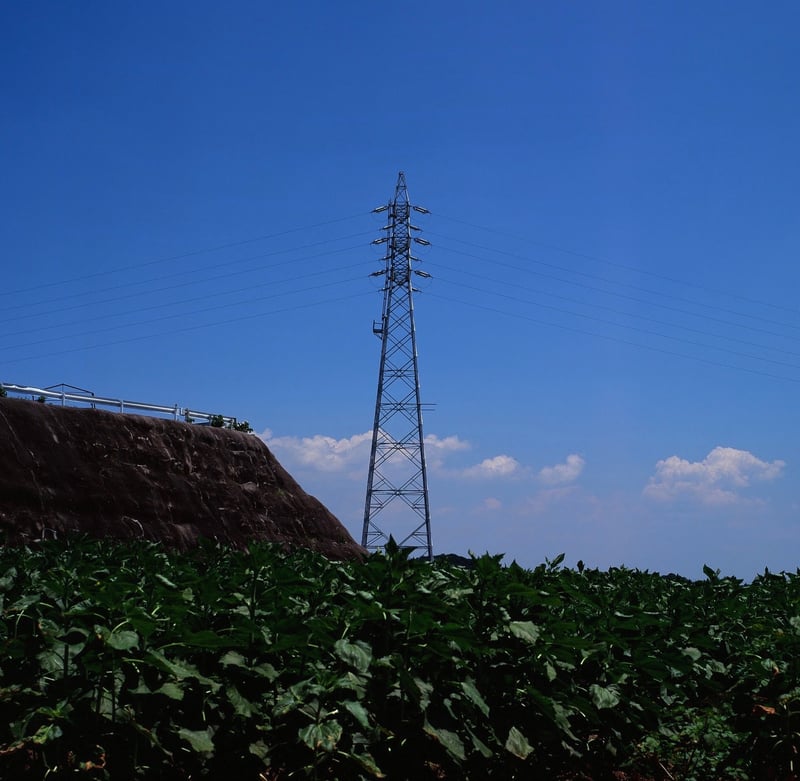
column 397, row 471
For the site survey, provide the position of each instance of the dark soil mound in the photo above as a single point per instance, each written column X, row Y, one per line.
column 104, row 474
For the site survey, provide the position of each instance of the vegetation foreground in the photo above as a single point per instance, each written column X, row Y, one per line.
column 131, row 662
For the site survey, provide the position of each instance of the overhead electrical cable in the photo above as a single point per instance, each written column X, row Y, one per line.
column 613, row 282
column 188, row 328
column 613, row 293
column 179, row 302
column 516, row 286
column 145, row 264
column 183, row 273
column 615, row 339
column 180, row 315
column 631, row 327
column 617, row 264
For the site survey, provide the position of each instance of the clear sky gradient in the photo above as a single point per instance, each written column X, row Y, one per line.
column 611, row 334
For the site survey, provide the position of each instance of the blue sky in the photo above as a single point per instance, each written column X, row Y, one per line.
column 610, row 335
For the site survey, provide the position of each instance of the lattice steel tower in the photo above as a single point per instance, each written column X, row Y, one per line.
column 397, row 459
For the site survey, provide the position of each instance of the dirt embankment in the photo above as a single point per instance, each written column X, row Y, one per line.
column 104, row 474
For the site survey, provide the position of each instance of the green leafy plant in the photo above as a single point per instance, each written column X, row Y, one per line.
column 133, row 662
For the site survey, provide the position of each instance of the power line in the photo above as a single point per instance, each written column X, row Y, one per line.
column 616, row 294
column 183, row 314
column 633, row 328
column 187, row 329
column 617, row 340
column 616, row 264
column 603, row 307
column 182, row 273
column 145, row 264
column 215, row 294
column 613, row 282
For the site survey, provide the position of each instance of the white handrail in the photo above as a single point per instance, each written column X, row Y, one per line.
column 122, row 405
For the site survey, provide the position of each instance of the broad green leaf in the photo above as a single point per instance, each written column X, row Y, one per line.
column 181, row 669
column 448, row 739
column 171, row 690
column 425, row 690
column 693, row 653
column 199, row 740
column 285, row 703
column 46, row 733
column 25, row 601
column 52, row 660
column 485, row 751
column 322, row 736
column 468, row 687
column 604, row 697
column 368, row 763
column 259, row 749
column 353, row 681
column 7, row 580
column 525, row 630
column 358, row 654
column 561, row 717
column 233, row 659
column 123, row 640
column 359, row 712
column 517, row 744
column 265, row 670
column 241, row 705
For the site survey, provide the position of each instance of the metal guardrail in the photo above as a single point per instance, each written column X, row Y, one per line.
column 122, row 405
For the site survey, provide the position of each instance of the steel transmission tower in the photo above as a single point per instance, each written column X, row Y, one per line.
column 397, row 459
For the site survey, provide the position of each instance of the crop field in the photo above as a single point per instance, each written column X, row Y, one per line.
column 131, row 662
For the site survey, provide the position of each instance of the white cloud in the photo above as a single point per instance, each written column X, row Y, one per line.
column 498, row 466
column 445, row 444
column 560, row 474
column 325, row 454
column 438, row 448
column 545, row 499
column 492, row 503
column 714, row 480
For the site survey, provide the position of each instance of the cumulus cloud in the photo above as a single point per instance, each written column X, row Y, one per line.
column 437, row 449
column 544, row 500
column 498, row 466
column 445, row 444
column 714, row 480
column 492, row 503
column 328, row 454
column 560, row 474
column 325, row 454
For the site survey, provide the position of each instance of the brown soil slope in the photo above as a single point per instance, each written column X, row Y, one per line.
column 104, row 474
